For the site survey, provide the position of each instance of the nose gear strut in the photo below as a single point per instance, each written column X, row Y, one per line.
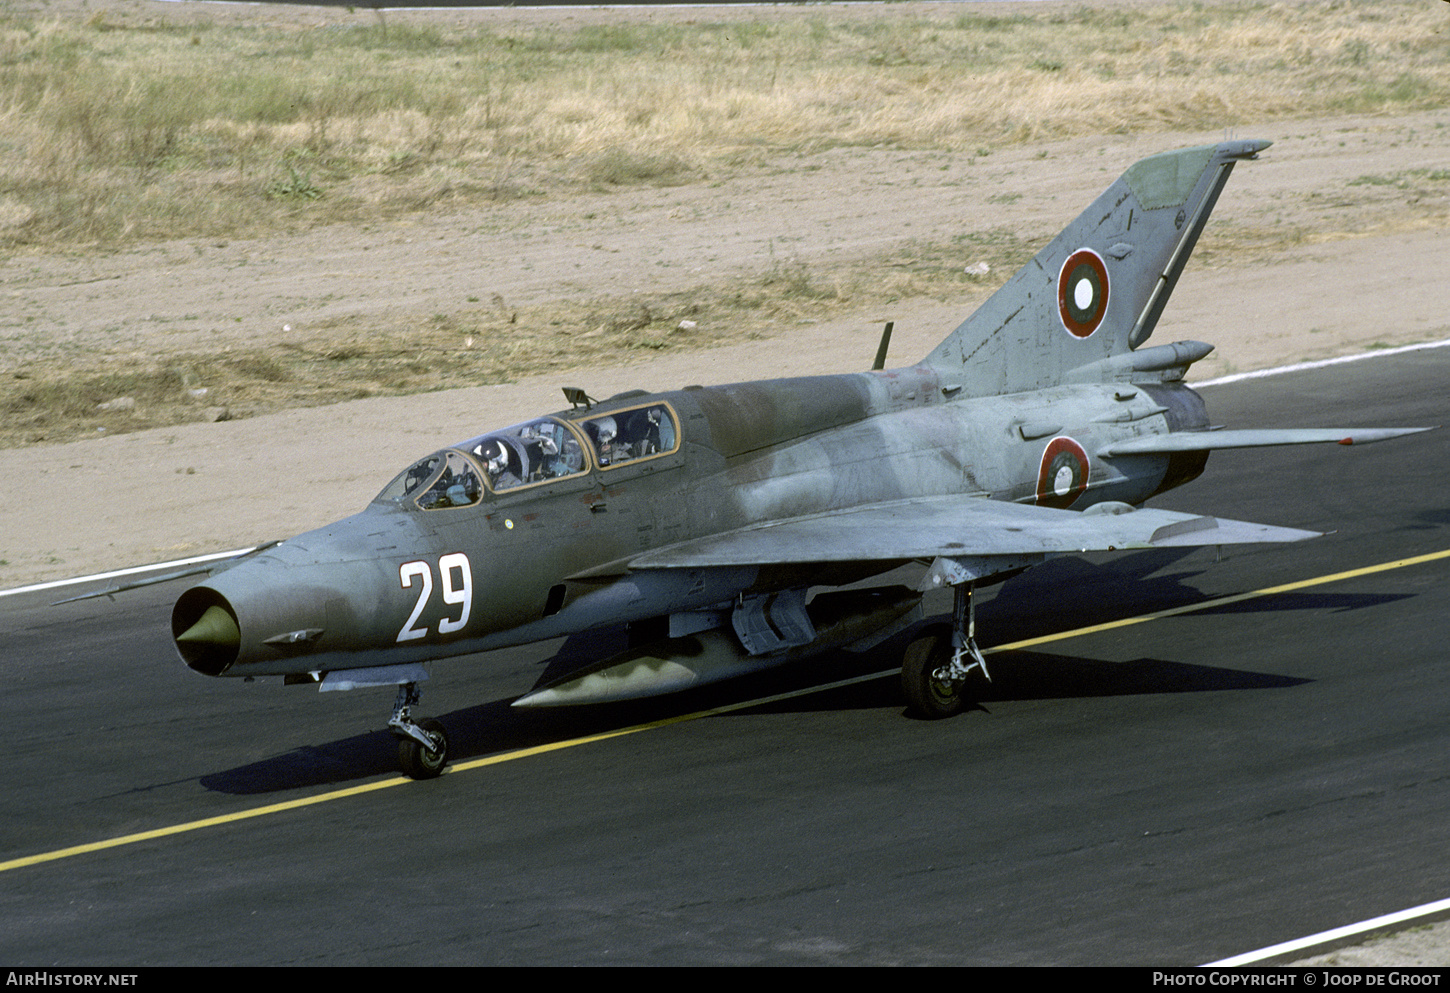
column 422, row 744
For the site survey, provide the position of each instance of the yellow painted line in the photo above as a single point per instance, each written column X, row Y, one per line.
column 241, row 815
column 1337, row 577
column 523, row 753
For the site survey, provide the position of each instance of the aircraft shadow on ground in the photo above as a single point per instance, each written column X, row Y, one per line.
column 485, row 729
column 494, row 727
column 1072, row 592
column 1027, row 675
column 1056, row 597
column 1428, row 520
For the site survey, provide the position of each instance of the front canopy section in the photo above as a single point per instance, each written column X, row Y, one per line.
column 440, row 481
column 533, row 452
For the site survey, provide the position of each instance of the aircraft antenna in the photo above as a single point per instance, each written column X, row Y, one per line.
column 880, row 362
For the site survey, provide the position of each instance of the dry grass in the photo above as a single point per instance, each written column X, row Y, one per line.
column 112, row 134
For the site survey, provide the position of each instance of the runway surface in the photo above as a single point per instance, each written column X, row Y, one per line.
column 1170, row 792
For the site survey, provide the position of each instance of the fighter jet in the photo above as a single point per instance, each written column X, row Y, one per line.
column 722, row 523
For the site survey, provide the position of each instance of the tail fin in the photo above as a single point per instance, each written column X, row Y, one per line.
column 1098, row 289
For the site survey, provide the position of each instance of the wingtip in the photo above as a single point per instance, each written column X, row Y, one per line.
column 1370, row 435
column 87, row 596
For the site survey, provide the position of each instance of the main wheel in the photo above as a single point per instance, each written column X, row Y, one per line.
column 417, row 761
column 925, row 694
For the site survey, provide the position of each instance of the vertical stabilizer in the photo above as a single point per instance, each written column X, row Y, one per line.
column 1098, row 289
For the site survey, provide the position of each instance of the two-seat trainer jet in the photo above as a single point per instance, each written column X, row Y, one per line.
column 704, row 518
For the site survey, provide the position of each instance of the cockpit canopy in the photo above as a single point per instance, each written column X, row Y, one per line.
column 528, row 453
column 622, row 436
column 536, row 451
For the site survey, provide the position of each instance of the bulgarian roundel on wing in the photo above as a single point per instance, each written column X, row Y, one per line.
column 1063, row 475
column 1082, row 292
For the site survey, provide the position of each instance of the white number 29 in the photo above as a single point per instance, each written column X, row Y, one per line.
column 457, row 590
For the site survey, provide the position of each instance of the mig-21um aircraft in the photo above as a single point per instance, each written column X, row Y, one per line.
column 705, row 517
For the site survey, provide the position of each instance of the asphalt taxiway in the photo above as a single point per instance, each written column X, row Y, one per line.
column 1241, row 771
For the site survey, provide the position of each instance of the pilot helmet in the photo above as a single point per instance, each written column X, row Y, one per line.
column 494, row 455
column 607, row 429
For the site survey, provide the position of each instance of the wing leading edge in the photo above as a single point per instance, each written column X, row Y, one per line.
column 1207, row 441
column 956, row 528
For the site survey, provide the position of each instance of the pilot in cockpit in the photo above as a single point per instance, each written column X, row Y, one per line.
column 610, row 450
column 542, row 449
column 495, row 458
column 653, row 440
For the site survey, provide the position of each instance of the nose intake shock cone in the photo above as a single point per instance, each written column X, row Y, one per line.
column 206, row 631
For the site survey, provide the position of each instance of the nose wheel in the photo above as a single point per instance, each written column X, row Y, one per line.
column 422, row 744
column 419, row 761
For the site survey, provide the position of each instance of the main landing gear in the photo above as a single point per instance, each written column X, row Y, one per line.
column 936, row 664
column 422, row 744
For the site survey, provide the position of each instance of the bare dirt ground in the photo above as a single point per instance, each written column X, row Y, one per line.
column 1332, row 244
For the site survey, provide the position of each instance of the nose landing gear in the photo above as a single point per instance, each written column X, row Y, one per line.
column 422, row 744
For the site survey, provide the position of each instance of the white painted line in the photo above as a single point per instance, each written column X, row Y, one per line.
column 1325, row 937
column 98, row 577
column 1322, row 363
